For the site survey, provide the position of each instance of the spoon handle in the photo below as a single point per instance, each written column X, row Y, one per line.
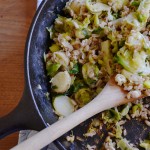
column 110, row 96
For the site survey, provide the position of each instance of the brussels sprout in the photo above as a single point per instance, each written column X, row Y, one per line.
column 83, row 96
column 98, row 90
column 64, row 41
column 136, row 20
column 82, row 33
column 139, row 18
column 118, row 131
column 71, row 25
column 118, row 4
column 137, row 41
column 125, row 110
column 143, row 11
column 133, row 62
column 90, row 73
column 96, row 7
column 147, row 84
column 86, row 22
column 91, row 59
column 124, row 57
column 62, row 24
column 124, row 145
column 112, row 36
column 121, row 43
column 79, row 34
column 136, row 107
column 96, row 20
column 61, row 82
column 75, row 6
column 131, row 22
column 111, row 116
column 59, row 24
column 116, row 47
column 54, row 48
column 63, row 105
column 107, row 59
column 135, row 3
column 78, row 84
column 117, row 15
column 52, row 68
column 98, row 30
column 104, row 1
column 145, row 144
column 61, row 58
column 67, row 25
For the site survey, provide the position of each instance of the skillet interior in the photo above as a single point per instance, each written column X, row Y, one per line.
column 37, row 44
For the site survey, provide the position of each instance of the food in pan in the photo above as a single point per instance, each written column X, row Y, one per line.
column 92, row 41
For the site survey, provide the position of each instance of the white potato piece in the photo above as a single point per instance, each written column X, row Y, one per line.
column 63, row 105
column 61, row 81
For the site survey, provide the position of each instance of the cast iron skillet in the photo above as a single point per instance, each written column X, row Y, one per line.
column 34, row 110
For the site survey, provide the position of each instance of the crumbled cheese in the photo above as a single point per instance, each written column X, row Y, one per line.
column 134, row 94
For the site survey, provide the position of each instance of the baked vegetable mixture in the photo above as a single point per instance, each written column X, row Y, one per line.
column 92, row 41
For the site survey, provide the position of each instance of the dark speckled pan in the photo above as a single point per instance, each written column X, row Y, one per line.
column 34, row 110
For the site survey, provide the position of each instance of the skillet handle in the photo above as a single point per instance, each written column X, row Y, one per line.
column 24, row 116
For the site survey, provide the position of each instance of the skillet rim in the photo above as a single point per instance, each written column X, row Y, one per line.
column 27, row 68
column 27, row 55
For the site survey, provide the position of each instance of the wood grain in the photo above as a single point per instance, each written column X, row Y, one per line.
column 15, row 19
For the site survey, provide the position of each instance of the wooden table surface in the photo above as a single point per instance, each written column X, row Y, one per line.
column 15, row 19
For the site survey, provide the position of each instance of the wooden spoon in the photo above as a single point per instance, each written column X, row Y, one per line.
column 112, row 95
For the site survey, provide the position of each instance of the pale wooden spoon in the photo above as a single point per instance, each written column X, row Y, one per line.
column 112, row 95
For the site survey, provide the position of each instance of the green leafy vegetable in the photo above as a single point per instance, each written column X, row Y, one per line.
column 135, row 3
column 78, row 83
column 75, row 69
column 124, row 145
column 111, row 116
column 52, row 68
column 145, row 144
